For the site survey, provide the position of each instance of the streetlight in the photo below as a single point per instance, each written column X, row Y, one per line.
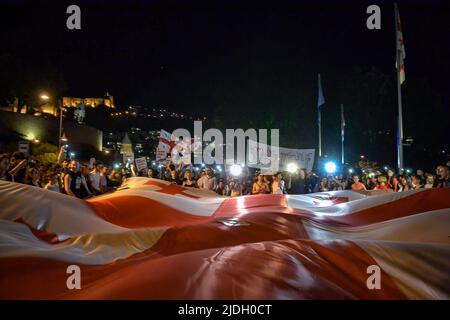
column 61, row 109
column 330, row 167
column 236, row 170
column 292, row 167
column 46, row 97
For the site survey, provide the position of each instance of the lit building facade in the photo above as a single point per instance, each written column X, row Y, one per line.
column 52, row 107
column 71, row 102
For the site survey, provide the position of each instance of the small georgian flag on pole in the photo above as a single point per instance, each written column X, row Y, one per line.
column 400, row 46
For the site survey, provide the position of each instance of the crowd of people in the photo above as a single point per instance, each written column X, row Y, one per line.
column 87, row 179
column 300, row 182
column 68, row 176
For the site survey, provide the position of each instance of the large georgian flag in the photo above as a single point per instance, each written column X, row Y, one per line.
column 154, row 240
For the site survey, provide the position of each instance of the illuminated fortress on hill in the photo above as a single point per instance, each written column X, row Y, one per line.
column 52, row 108
column 107, row 100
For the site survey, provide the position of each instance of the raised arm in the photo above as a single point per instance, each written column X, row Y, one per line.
column 19, row 166
column 61, row 155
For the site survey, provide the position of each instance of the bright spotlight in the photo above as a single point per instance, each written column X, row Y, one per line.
column 330, row 167
column 116, row 166
column 292, row 167
column 72, row 154
column 236, row 170
column 386, row 168
column 350, row 170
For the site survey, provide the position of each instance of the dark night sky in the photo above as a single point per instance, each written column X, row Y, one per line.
column 257, row 56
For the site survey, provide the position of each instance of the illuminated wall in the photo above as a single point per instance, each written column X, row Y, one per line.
column 46, row 129
column 90, row 102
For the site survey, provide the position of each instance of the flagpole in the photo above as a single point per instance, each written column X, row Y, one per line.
column 399, row 97
column 342, row 133
column 319, row 124
column 320, row 137
column 400, row 121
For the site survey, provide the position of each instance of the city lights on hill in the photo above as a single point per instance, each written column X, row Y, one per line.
column 154, row 113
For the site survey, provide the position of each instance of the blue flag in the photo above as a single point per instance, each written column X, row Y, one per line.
column 321, row 99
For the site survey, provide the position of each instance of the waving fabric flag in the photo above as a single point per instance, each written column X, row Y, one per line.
column 320, row 99
column 401, row 54
column 169, row 144
column 165, row 145
column 320, row 103
column 155, row 240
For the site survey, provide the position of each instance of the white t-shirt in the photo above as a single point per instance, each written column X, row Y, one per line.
column 207, row 183
column 94, row 180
